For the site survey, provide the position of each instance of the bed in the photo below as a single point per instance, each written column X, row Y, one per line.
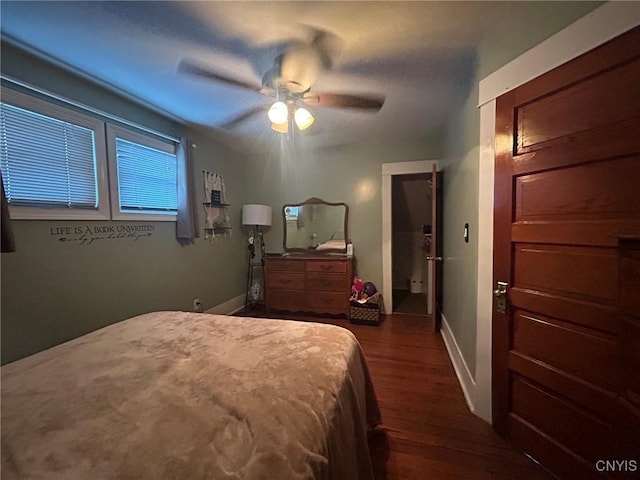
column 187, row 396
column 331, row 244
column 336, row 241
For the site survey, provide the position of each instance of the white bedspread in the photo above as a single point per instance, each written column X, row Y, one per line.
column 188, row 396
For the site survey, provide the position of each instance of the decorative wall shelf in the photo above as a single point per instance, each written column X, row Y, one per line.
column 216, row 207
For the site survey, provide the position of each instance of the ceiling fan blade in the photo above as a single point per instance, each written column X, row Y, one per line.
column 304, row 61
column 204, row 72
column 339, row 100
column 244, row 116
column 328, row 46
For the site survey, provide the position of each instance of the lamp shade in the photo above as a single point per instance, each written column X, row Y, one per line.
column 280, row 127
column 278, row 113
column 256, row 214
column 303, row 118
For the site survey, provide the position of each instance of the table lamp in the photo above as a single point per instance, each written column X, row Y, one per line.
column 255, row 216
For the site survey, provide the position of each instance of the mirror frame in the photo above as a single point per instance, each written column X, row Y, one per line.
column 315, row 201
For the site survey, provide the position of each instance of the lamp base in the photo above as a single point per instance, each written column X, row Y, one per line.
column 254, row 290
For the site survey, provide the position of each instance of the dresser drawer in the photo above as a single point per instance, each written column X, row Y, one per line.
column 288, row 280
column 284, row 265
column 327, row 282
column 286, row 299
column 308, row 283
column 326, row 267
column 328, row 302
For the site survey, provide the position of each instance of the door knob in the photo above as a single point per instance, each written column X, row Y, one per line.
column 501, row 297
column 437, row 259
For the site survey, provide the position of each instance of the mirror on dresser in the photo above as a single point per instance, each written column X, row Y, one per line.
column 315, row 226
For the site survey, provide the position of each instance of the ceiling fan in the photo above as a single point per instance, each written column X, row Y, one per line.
column 289, row 83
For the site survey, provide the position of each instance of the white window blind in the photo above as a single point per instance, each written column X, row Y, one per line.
column 146, row 178
column 58, row 163
column 143, row 176
column 46, row 162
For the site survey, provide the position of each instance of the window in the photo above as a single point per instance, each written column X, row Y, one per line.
column 52, row 160
column 60, row 164
column 291, row 213
column 145, row 171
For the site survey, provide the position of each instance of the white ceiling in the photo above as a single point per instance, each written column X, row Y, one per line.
column 419, row 55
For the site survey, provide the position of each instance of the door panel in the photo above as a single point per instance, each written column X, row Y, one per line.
column 629, row 387
column 588, row 314
column 565, row 348
column 560, row 114
column 573, row 388
column 566, row 190
column 564, row 420
column 582, row 192
column 584, row 273
column 577, row 233
column 540, row 445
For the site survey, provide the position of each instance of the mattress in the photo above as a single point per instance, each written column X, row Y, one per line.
column 187, row 396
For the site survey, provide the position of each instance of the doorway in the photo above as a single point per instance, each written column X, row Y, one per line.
column 389, row 171
column 411, row 233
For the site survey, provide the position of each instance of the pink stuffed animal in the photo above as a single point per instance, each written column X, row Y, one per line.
column 356, row 288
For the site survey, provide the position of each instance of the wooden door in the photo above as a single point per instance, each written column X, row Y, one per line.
column 435, row 248
column 567, row 188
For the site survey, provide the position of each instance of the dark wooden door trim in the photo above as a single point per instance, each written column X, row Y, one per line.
column 435, row 249
column 503, row 214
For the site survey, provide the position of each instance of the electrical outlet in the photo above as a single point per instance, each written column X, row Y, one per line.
column 197, row 305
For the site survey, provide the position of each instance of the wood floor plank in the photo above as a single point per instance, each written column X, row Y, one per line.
column 427, row 430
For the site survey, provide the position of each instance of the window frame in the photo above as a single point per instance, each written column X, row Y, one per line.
column 113, row 132
column 43, row 107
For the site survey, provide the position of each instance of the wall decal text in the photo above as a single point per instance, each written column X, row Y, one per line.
column 87, row 234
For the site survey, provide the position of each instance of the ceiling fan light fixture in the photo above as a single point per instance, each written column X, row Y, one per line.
column 280, row 127
column 303, row 118
column 278, row 113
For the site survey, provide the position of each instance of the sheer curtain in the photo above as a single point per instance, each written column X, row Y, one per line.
column 187, row 219
column 8, row 242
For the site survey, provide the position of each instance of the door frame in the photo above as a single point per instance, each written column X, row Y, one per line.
column 389, row 170
column 599, row 26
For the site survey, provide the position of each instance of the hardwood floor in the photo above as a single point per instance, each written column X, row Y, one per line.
column 406, row 302
column 428, row 431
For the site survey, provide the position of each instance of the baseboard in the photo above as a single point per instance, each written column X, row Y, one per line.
column 465, row 378
column 229, row 307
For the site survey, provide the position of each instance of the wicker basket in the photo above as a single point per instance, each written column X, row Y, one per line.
column 367, row 313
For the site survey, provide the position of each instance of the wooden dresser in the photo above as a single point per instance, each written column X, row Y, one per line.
column 302, row 283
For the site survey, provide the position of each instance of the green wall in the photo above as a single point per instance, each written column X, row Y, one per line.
column 350, row 174
column 53, row 291
column 524, row 25
column 460, row 198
